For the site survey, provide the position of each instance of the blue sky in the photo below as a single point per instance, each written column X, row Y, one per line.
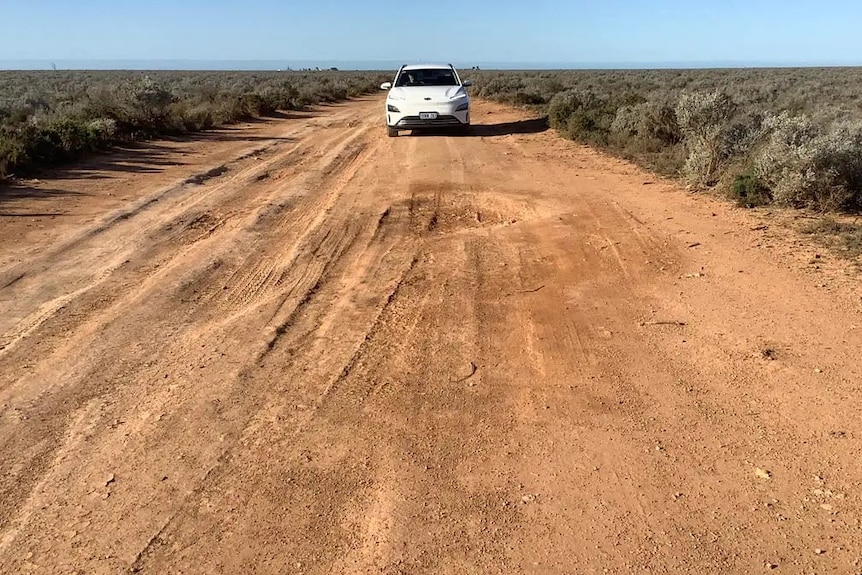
column 534, row 31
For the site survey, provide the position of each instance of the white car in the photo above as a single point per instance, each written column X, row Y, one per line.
column 426, row 96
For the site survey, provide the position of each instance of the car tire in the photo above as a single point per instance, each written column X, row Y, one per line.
column 393, row 133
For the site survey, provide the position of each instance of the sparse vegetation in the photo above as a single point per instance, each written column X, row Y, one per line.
column 790, row 137
column 843, row 236
column 787, row 136
column 51, row 117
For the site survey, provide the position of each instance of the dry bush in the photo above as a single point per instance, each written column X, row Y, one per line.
column 725, row 131
column 703, row 119
column 808, row 165
column 50, row 117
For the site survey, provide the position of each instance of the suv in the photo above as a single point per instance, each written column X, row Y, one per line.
column 426, row 96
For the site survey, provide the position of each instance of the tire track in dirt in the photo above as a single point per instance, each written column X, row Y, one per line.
column 111, row 239
column 426, row 355
column 102, row 319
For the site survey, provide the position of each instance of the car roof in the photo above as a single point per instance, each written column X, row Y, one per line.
column 427, row 67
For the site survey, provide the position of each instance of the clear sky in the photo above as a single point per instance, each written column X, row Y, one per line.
column 506, row 31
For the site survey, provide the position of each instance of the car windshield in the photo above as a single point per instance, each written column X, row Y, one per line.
column 427, row 77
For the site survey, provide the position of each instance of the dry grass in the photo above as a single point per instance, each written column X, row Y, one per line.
column 844, row 237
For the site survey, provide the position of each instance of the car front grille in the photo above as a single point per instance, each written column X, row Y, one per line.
column 416, row 122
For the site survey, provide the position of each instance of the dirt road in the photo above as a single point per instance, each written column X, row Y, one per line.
column 300, row 346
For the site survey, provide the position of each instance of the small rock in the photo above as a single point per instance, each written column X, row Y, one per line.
column 762, row 473
column 820, row 551
column 771, row 565
column 110, row 479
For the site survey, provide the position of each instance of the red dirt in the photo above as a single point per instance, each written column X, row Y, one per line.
column 300, row 346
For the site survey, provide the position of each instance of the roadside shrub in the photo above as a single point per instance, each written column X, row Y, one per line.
column 810, row 166
column 196, row 118
column 281, row 97
column 527, row 99
column 581, row 115
column 13, row 152
column 307, row 97
column 743, row 134
column 256, row 105
column 103, row 130
column 651, row 120
column 703, row 119
column 627, row 121
column 749, row 191
column 658, row 121
column 501, row 87
column 51, row 117
column 147, row 104
column 565, row 104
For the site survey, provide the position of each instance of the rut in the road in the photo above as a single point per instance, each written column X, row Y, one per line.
column 357, row 354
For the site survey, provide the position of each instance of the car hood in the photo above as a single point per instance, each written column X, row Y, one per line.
column 422, row 93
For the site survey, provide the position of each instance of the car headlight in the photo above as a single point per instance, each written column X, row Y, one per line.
column 391, row 108
column 462, row 107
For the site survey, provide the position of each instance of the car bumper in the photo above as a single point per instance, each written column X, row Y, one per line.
column 408, row 117
column 415, row 122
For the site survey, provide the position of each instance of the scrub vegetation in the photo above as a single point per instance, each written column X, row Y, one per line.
column 48, row 117
column 790, row 137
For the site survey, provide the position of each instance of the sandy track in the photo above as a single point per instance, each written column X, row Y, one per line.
column 302, row 347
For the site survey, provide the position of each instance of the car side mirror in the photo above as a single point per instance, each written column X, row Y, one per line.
column 386, row 86
column 467, row 84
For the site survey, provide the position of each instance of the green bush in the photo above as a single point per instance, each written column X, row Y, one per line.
column 750, row 192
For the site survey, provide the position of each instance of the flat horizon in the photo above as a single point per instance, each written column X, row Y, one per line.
column 240, row 65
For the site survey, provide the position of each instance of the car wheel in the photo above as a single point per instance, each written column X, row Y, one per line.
column 391, row 131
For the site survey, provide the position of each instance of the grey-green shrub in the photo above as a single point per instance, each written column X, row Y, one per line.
column 652, row 120
column 50, row 117
column 703, row 119
column 808, row 165
column 582, row 115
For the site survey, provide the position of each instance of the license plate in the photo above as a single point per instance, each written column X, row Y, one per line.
column 428, row 116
